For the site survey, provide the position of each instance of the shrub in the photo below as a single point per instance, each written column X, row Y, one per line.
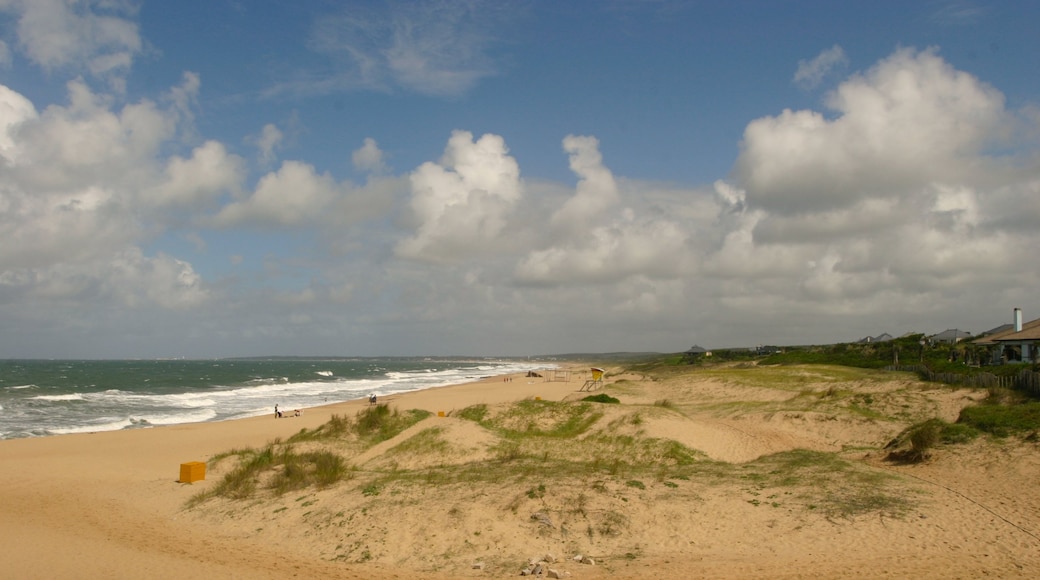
column 958, row 433
column 601, row 398
column 923, row 437
column 1002, row 420
column 475, row 413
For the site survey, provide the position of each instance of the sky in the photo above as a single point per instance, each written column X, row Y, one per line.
column 218, row 178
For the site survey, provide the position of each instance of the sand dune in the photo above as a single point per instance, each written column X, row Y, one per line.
column 789, row 481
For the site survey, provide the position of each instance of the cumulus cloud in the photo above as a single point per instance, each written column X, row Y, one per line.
column 294, row 195
column 894, row 203
column 200, row 179
column 78, row 183
column 267, row 143
column 627, row 246
column 598, row 242
column 597, row 190
column 461, row 204
column 909, row 121
column 126, row 279
column 94, row 36
column 812, row 72
column 72, row 175
column 298, row 196
column 369, row 158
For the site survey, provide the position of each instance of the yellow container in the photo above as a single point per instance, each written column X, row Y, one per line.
column 193, row 471
column 440, row 413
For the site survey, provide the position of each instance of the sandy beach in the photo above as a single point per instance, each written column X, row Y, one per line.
column 109, row 505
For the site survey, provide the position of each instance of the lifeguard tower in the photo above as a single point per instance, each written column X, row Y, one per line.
column 595, row 382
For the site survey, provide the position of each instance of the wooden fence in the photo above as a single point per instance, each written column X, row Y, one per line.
column 1026, row 380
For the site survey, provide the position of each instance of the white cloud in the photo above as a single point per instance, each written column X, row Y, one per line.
column 162, row 280
column 460, row 204
column 811, row 73
column 898, row 204
column 596, row 242
column 199, row 180
column 72, row 176
column 267, row 143
column 597, row 190
column 911, row 120
column 625, row 247
column 75, row 195
column 123, row 279
column 295, row 195
column 369, row 158
column 96, row 36
column 15, row 110
column 87, row 142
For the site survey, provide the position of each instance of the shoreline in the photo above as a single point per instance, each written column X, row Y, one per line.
column 107, row 503
column 55, row 400
column 764, row 495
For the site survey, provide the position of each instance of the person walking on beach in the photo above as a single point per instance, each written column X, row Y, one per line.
column 277, row 413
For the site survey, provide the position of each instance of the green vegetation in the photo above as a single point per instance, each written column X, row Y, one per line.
column 532, row 418
column 601, row 398
column 914, row 350
column 999, row 418
column 550, row 451
column 1002, row 420
column 822, row 482
column 280, row 468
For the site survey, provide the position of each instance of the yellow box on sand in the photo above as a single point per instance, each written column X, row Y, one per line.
column 193, row 471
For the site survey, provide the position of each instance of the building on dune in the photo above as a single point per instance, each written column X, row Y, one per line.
column 1015, row 342
column 950, row 336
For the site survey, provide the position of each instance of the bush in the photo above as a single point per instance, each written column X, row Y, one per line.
column 923, row 437
column 1002, row 420
column 602, row 398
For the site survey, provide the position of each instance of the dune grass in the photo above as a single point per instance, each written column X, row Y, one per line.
column 548, row 443
column 279, row 467
column 1000, row 416
column 1003, row 420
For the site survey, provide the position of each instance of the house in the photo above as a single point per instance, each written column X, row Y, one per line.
column 1026, row 344
column 1003, row 328
column 1019, row 342
column 883, row 337
column 695, row 353
column 950, row 336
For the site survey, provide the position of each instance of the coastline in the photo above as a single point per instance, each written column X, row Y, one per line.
column 107, row 504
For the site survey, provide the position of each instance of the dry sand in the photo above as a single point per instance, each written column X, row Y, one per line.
column 108, row 505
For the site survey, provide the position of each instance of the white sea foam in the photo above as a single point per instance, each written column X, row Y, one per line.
column 96, row 427
column 71, row 397
column 116, row 409
column 175, row 419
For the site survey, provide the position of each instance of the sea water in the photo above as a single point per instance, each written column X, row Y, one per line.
column 41, row 397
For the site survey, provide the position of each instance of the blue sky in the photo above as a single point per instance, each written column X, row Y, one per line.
column 223, row 178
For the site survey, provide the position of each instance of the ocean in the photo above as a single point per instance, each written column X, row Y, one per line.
column 41, row 398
